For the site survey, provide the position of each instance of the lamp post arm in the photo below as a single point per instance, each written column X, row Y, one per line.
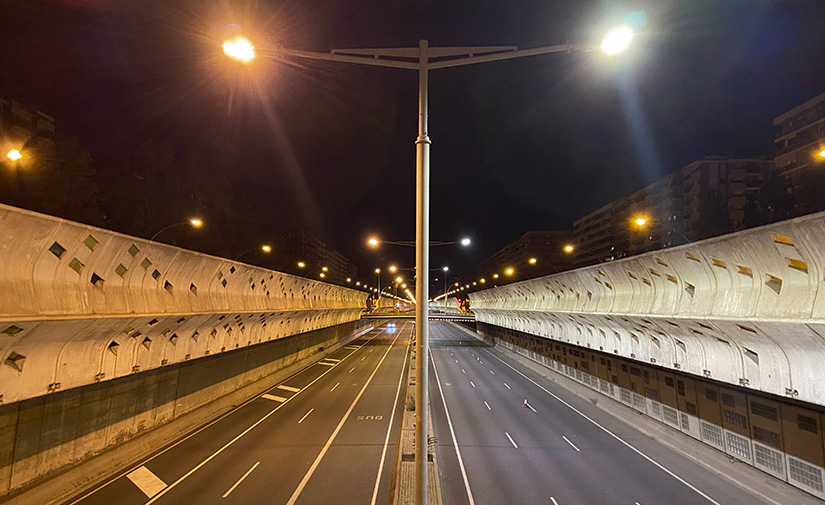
column 507, row 55
column 409, row 58
column 163, row 230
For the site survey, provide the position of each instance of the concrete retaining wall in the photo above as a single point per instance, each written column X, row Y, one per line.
column 43, row 435
column 746, row 308
column 80, row 305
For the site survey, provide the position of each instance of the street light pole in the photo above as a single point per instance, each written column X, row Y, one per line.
column 422, row 282
column 428, row 59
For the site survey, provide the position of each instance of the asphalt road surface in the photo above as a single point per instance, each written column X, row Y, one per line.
column 554, row 449
column 327, row 434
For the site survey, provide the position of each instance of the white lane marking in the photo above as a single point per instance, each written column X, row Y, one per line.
column 273, row 397
column 452, row 432
column 557, row 503
column 488, row 405
column 451, row 354
column 351, row 347
column 531, row 408
column 456, row 361
column 637, row 503
column 492, row 372
column 462, row 371
column 508, row 387
column 472, row 384
column 618, row 438
column 226, row 445
column 511, row 440
column 571, row 443
column 288, row 388
column 363, row 358
column 240, row 480
column 305, row 415
column 370, row 350
column 389, row 430
column 146, row 481
column 323, row 452
column 351, row 369
column 326, row 364
column 333, row 359
column 333, row 387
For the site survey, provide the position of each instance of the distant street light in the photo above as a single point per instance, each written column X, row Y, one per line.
column 194, row 223
column 821, row 153
column 265, row 248
column 14, row 155
column 569, row 248
column 532, row 261
column 640, row 221
column 301, row 264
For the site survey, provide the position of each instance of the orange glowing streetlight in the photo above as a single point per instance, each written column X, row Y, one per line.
column 14, row 155
column 239, row 49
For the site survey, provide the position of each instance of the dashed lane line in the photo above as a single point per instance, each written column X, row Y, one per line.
column 288, row 388
column 571, row 443
column 273, row 397
column 305, row 415
column 333, row 387
column 511, row 440
column 228, row 444
column 236, row 484
column 618, row 438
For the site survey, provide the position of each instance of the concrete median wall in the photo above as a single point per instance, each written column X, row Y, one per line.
column 746, row 308
column 81, row 305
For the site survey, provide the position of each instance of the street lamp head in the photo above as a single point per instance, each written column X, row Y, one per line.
column 569, row 248
column 349, row 279
column 446, row 269
column 301, row 264
column 821, row 153
column 617, row 40
column 266, row 248
column 196, row 222
column 495, row 276
column 325, row 269
column 399, row 279
column 377, row 271
column 357, row 283
column 239, row 49
column 393, row 268
column 532, row 261
column 510, row 271
column 640, row 221
column 482, row 280
column 14, row 155
column 322, row 275
column 373, row 242
column 465, row 241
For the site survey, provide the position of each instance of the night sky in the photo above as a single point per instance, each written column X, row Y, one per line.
column 528, row 144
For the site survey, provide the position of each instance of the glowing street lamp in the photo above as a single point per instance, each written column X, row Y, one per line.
column 617, row 40
column 14, row 155
column 569, row 248
column 265, row 248
column 640, row 221
column 510, row 271
column 239, row 49
column 301, row 264
column 821, row 153
column 194, row 223
column 532, row 261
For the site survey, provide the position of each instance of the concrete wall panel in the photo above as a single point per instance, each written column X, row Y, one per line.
column 80, row 304
column 746, row 308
